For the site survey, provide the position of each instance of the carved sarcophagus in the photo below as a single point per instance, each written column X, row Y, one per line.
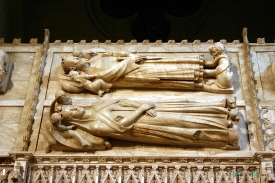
column 139, row 112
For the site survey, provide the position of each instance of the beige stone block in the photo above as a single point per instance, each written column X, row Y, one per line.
column 12, row 103
column 52, row 88
column 264, row 61
column 22, row 65
column 22, row 49
column 268, row 90
column 158, row 49
column 10, row 115
column 17, row 91
column 8, row 135
column 129, row 48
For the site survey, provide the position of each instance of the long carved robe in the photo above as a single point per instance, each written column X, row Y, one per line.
column 181, row 73
column 180, row 123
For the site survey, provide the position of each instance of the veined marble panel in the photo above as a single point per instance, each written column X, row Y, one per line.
column 22, row 63
column 9, row 122
column 263, row 74
column 17, row 104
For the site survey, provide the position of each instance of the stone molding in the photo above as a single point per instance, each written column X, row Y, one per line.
column 54, row 168
column 252, row 108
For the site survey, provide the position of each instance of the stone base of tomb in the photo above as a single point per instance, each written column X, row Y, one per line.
column 85, row 167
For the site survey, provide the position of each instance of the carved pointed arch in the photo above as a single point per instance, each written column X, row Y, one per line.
column 246, row 177
column 222, row 176
column 200, row 179
column 177, row 176
column 40, row 175
column 200, row 176
column 62, row 176
column 131, row 177
column 108, row 177
column 85, row 176
column 153, row 176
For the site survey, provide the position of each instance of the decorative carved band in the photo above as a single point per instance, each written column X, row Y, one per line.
column 146, row 173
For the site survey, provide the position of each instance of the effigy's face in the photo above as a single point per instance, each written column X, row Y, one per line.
column 70, row 62
column 73, row 111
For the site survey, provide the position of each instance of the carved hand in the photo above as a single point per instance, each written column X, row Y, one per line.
column 91, row 76
column 148, row 109
column 143, row 107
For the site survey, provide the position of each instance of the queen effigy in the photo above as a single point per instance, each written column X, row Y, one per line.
column 181, row 123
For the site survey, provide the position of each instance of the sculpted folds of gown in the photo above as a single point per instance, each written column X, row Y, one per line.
column 81, row 72
column 178, row 123
column 160, row 73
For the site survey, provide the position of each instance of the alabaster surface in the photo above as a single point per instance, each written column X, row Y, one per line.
column 16, row 103
column 154, row 112
column 56, row 69
column 87, row 70
column 27, row 68
column 263, row 67
column 53, row 69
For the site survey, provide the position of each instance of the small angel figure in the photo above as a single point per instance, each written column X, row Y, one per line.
column 98, row 86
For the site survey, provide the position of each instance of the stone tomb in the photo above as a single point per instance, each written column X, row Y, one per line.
column 37, row 147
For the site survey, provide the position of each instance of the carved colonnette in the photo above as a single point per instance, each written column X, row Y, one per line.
column 146, row 173
column 28, row 168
